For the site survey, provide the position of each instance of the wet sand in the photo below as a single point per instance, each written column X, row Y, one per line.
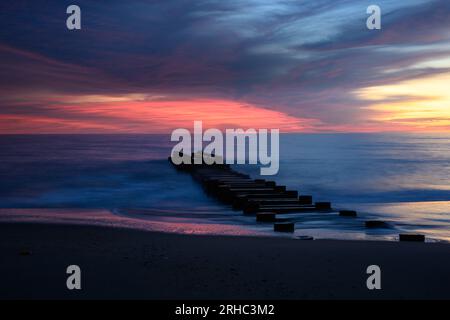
column 135, row 264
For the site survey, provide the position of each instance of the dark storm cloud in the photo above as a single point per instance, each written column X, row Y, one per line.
column 300, row 57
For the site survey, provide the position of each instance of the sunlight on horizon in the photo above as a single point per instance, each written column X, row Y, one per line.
column 417, row 104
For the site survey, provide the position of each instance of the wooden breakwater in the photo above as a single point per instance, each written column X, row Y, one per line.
column 264, row 199
column 259, row 197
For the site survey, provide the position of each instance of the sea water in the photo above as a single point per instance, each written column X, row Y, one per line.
column 403, row 179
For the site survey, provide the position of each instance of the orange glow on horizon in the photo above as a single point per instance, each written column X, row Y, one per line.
column 139, row 114
column 418, row 105
column 412, row 105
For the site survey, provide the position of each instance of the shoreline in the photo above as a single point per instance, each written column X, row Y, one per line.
column 260, row 235
column 136, row 219
column 122, row 263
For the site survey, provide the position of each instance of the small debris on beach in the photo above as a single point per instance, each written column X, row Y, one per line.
column 25, row 252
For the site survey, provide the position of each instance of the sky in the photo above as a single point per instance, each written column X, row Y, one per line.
column 142, row 66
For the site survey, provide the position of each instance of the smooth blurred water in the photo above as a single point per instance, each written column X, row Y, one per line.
column 401, row 178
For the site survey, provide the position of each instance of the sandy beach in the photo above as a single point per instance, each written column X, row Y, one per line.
column 136, row 264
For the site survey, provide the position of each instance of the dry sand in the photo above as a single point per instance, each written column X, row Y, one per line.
column 134, row 264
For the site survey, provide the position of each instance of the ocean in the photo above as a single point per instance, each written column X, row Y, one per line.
column 403, row 179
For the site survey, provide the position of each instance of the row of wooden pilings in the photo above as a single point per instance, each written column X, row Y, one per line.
column 264, row 199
